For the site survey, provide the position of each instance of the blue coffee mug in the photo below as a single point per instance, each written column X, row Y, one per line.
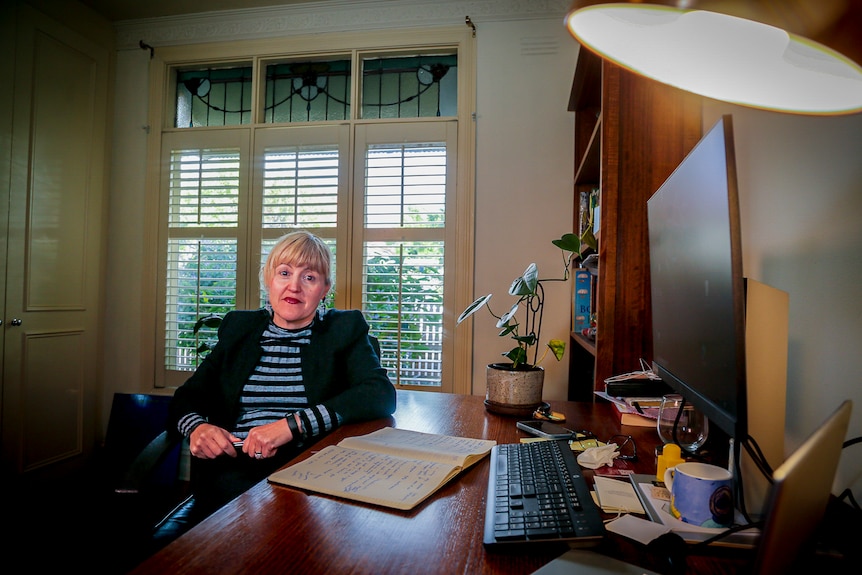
column 700, row 494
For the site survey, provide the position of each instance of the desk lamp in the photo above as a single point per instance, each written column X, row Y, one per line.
column 721, row 56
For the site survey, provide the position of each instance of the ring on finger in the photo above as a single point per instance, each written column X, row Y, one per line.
column 258, row 455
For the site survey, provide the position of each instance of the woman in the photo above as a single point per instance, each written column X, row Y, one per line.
column 278, row 379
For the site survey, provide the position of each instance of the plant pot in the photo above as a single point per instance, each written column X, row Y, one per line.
column 513, row 391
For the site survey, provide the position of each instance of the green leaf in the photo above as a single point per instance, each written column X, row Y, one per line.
column 507, row 329
column 589, row 239
column 471, row 309
column 517, row 355
column 569, row 243
column 526, row 284
column 558, row 346
column 508, row 316
column 526, row 339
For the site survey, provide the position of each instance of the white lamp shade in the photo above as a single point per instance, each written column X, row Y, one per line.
column 722, row 57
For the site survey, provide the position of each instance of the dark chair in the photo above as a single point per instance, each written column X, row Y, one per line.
column 137, row 450
column 140, row 466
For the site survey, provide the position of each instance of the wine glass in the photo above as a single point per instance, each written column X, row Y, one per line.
column 692, row 427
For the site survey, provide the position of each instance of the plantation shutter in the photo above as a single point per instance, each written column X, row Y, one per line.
column 202, row 263
column 406, row 195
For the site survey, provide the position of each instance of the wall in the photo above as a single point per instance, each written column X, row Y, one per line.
column 800, row 184
column 126, row 269
column 525, row 151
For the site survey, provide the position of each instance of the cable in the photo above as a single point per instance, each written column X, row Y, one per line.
column 753, row 450
column 759, row 459
column 848, row 494
column 728, row 531
column 850, row 442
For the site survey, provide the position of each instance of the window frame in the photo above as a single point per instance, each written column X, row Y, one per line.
column 457, row 370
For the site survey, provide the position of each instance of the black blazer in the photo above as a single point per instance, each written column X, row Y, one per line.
column 339, row 367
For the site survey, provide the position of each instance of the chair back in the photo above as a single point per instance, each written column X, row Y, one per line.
column 136, row 420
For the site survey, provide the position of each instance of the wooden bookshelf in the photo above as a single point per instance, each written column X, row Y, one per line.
column 630, row 134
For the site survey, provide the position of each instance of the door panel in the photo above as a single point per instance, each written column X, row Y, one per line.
column 62, row 153
column 52, row 397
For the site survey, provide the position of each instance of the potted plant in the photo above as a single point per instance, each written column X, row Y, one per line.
column 515, row 387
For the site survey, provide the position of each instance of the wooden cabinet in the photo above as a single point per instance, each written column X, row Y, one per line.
column 630, row 134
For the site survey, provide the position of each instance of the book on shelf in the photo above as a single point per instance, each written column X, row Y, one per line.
column 583, row 212
column 390, row 467
column 583, row 300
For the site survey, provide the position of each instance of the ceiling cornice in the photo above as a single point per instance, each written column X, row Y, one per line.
column 328, row 16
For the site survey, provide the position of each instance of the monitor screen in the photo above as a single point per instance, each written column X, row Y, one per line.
column 698, row 301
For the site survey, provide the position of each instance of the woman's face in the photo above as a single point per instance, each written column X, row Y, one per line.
column 294, row 294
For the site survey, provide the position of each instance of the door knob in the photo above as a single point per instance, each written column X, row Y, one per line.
column 16, row 321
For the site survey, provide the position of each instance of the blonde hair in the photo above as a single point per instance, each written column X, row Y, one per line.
column 300, row 249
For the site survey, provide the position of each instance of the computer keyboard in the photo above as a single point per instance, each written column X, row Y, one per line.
column 536, row 492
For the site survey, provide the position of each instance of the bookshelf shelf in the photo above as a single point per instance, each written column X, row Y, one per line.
column 588, row 345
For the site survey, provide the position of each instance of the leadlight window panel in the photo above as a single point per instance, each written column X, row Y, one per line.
column 201, row 280
column 405, row 185
column 213, row 97
column 266, row 247
column 300, row 187
column 402, row 299
column 204, row 188
column 421, row 86
column 307, row 91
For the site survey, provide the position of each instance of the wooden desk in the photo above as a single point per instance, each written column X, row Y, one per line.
column 273, row 529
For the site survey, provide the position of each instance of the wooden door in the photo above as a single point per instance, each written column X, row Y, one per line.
column 54, row 247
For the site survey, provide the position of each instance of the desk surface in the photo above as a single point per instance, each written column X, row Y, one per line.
column 273, row 529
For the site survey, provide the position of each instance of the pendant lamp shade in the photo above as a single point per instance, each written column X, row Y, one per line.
column 723, row 57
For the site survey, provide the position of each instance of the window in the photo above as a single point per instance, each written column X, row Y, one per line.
column 412, row 86
column 382, row 189
column 403, row 279
column 213, row 97
column 308, row 91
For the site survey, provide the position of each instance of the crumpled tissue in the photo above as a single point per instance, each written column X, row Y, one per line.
column 595, row 457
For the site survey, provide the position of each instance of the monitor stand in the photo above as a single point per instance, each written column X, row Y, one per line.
column 766, row 348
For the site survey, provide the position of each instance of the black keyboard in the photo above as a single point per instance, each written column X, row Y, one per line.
column 536, row 493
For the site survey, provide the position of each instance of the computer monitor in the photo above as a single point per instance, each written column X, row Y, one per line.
column 698, row 290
